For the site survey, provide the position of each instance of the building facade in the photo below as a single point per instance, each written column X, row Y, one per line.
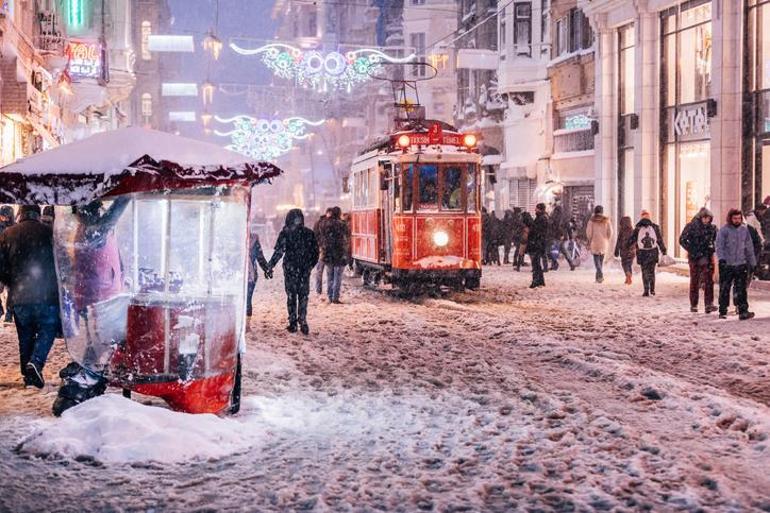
column 479, row 106
column 681, row 106
column 524, row 88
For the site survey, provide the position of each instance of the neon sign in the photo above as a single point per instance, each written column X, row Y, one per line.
column 85, row 59
column 76, row 13
column 321, row 71
column 263, row 139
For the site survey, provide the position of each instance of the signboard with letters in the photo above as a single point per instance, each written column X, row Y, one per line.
column 689, row 122
column 85, row 59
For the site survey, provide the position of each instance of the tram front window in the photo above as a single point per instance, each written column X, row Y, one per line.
column 452, row 195
column 408, row 187
column 428, row 186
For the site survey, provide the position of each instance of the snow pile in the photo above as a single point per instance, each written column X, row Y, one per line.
column 111, row 152
column 111, row 428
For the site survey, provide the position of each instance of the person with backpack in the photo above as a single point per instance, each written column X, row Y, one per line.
column 334, row 251
column 626, row 252
column 649, row 245
column 699, row 239
column 735, row 251
column 599, row 233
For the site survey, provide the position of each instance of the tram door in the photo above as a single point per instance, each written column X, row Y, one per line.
column 387, row 188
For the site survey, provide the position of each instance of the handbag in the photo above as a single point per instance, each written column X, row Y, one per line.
column 666, row 261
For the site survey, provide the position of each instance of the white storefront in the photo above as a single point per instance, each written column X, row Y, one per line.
column 669, row 86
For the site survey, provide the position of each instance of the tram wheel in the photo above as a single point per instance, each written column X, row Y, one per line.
column 472, row 283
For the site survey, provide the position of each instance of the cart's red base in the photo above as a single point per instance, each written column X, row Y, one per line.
column 205, row 395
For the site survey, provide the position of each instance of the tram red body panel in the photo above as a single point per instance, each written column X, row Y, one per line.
column 366, row 238
column 403, row 246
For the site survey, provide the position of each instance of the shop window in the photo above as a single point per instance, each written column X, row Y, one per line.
column 147, row 106
column 626, row 66
column 573, row 33
column 502, row 30
column 146, row 33
column 522, row 28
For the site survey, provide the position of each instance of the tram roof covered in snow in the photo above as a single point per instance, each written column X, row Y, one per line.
column 122, row 161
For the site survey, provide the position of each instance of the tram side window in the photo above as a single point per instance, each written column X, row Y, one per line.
column 470, row 188
column 428, row 186
column 408, row 187
column 396, row 188
column 452, row 194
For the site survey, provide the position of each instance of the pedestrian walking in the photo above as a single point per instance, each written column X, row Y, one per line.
column 495, row 239
column 6, row 220
column 624, row 251
column 298, row 247
column 321, row 266
column 485, row 235
column 508, row 226
column 538, row 234
column 256, row 258
column 649, row 245
column 698, row 238
column 599, row 233
column 735, row 251
column 48, row 215
column 27, row 267
column 334, row 253
column 521, row 249
column 555, row 236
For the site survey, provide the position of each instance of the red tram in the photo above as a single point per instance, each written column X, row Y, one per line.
column 416, row 209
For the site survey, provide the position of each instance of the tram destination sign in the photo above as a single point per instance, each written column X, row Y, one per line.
column 428, row 138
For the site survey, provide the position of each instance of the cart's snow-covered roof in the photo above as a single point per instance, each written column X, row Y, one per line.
column 121, row 160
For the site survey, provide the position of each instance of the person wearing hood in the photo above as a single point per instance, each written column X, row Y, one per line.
column 623, row 251
column 334, row 251
column 649, row 244
column 27, row 267
column 538, row 233
column 735, row 251
column 507, row 235
column 599, row 234
column 298, row 247
column 698, row 238
column 48, row 215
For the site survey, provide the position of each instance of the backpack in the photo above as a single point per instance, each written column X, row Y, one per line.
column 648, row 239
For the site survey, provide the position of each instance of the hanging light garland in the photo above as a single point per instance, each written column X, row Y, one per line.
column 321, row 71
column 263, row 139
column 207, row 92
column 213, row 45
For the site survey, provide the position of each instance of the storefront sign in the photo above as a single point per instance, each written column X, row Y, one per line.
column 85, row 59
column 691, row 121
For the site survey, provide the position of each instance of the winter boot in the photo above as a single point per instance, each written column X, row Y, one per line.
column 292, row 327
column 33, row 375
column 711, row 309
column 304, row 328
column 629, row 280
column 77, row 388
column 745, row 316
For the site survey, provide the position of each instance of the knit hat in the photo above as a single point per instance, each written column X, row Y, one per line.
column 704, row 212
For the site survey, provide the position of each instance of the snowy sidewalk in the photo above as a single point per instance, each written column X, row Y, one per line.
column 575, row 397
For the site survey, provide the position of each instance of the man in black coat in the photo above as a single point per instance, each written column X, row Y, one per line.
column 334, row 251
column 538, row 235
column 298, row 247
column 649, row 245
column 27, row 267
column 698, row 238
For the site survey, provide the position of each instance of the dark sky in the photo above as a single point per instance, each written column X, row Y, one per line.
column 237, row 18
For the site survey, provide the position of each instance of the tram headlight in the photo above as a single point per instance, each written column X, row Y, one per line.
column 404, row 141
column 440, row 238
column 469, row 140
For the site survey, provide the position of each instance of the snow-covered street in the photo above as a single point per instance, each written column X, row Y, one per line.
column 575, row 397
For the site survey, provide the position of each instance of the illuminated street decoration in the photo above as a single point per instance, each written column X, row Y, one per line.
column 318, row 70
column 263, row 139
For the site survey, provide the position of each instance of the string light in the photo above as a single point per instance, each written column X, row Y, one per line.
column 213, row 45
column 207, row 92
column 318, row 70
column 263, row 139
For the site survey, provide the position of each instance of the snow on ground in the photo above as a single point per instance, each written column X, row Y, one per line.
column 575, row 397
